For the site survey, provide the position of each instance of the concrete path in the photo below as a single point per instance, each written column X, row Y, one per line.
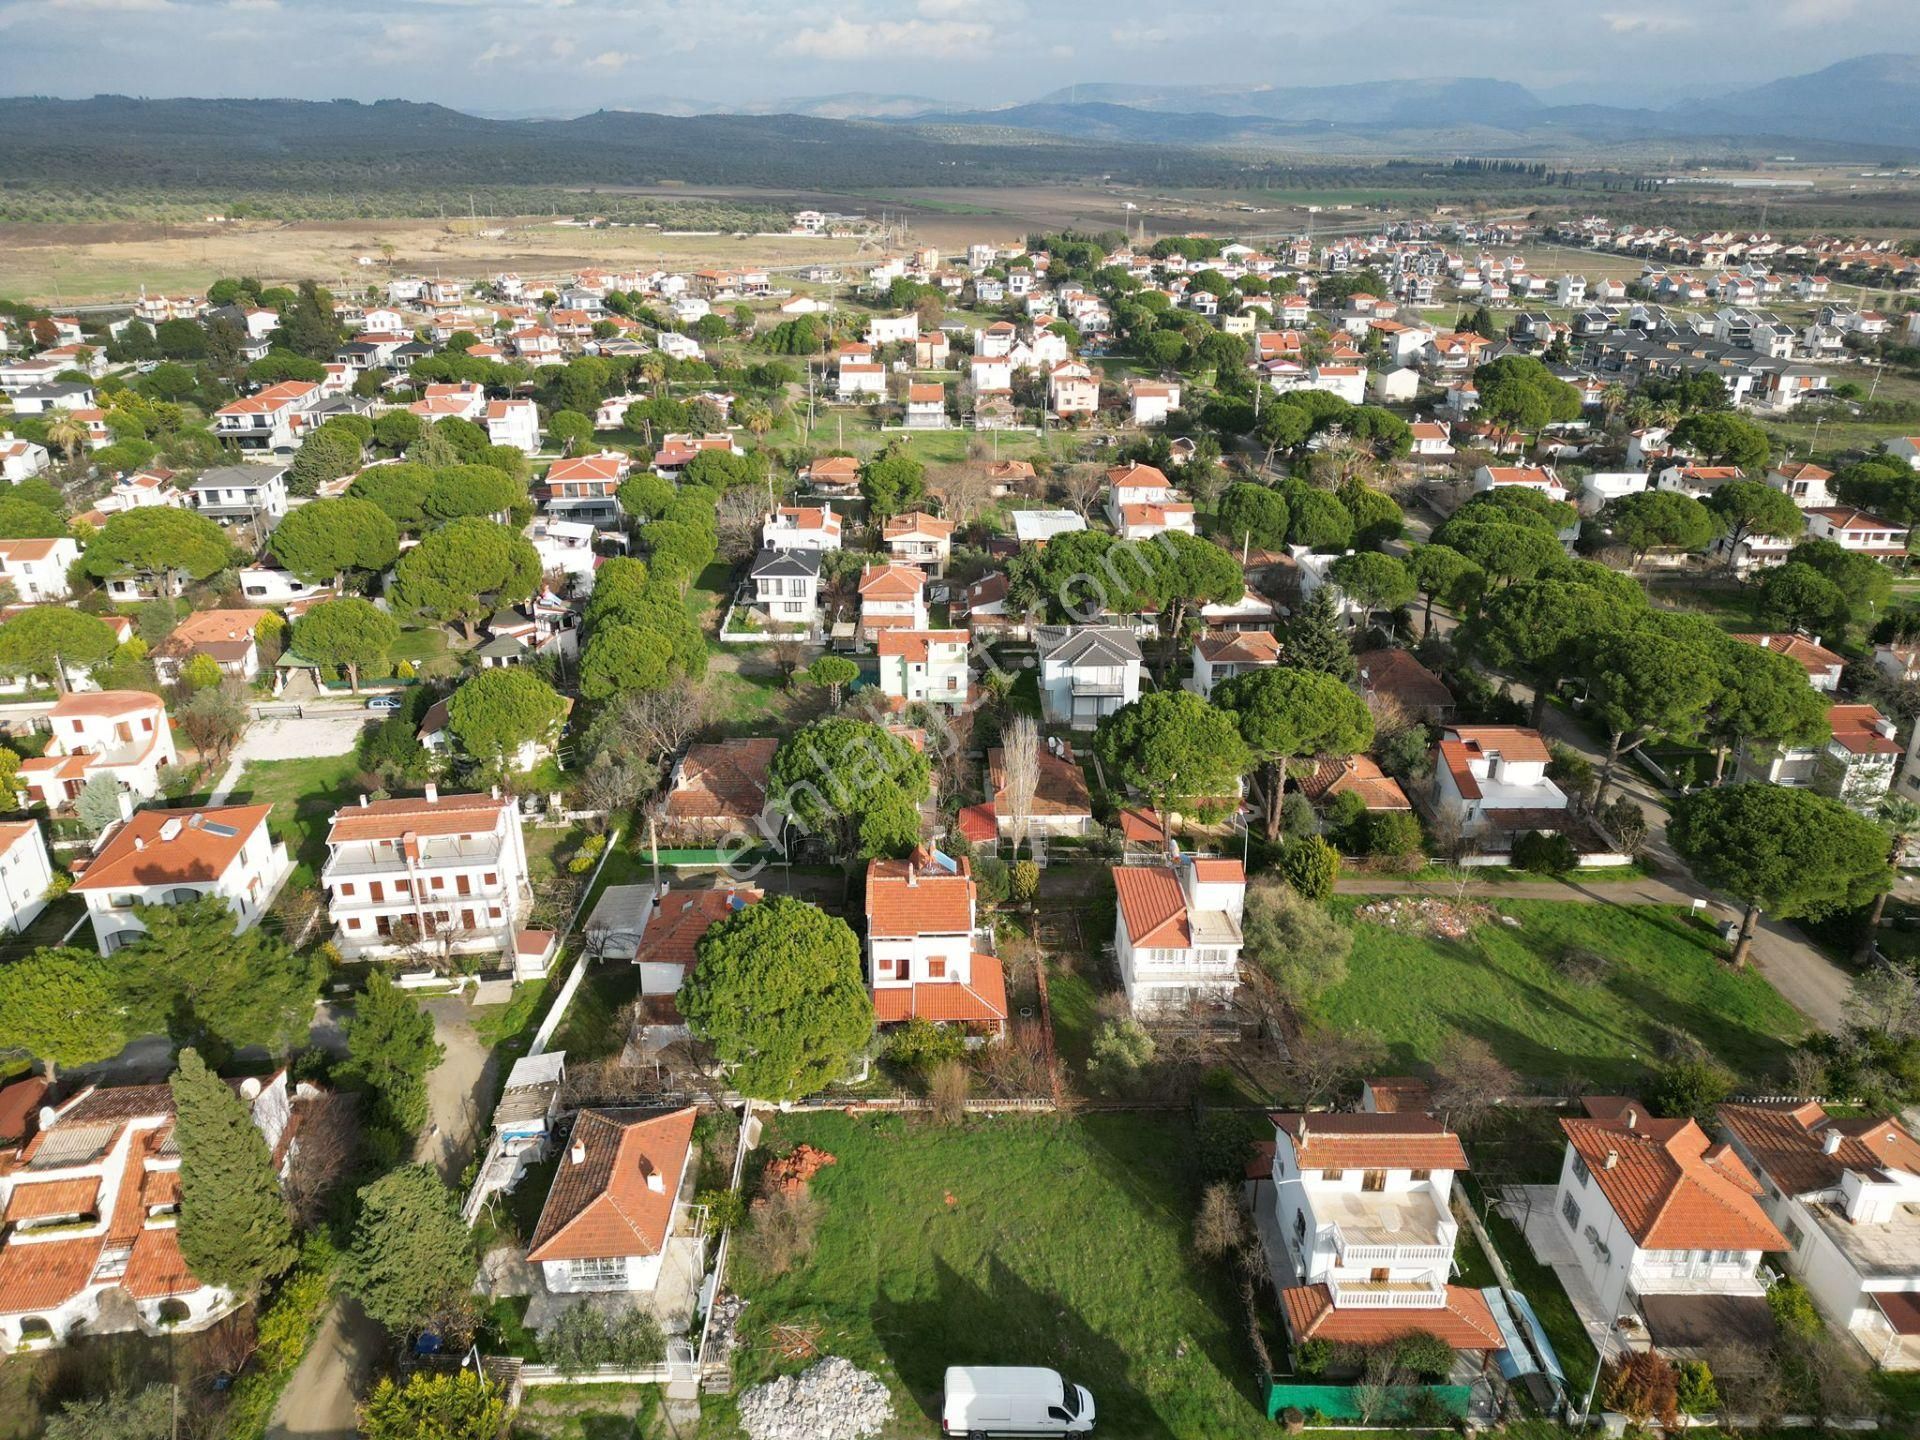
column 319, row 1401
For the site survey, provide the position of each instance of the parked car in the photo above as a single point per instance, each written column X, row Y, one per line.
column 983, row 1400
column 384, row 703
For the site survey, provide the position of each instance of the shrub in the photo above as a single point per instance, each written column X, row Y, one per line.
column 1121, row 1050
column 583, row 1338
column 1695, row 1390
column 1312, row 1357
column 1642, row 1387
column 1297, row 817
column 580, row 864
column 1023, row 882
column 781, row 1230
column 922, row 1045
column 1793, row 1310
column 994, row 884
column 1425, row 1354
column 1393, row 835
column 948, row 1088
column 1583, row 966
column 1626, row 822
column 1311, row 866
column 1221, row 1145
column 725, row 1209
column 1346, row 821
column 1544, row 854
column 1691, row 1088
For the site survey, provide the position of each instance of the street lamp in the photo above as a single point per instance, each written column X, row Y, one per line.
column 1619, row 1323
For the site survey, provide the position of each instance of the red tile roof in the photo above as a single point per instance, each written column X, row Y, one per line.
column 1671, row 1187
column 674, row 931
column 391, row 819
column 726, row 780
column 163, row 847
column 891, row 582
column 1466, row 1321
column 977, row 1001
column 1153, row 907
column 602, row 1205
column 1788, row 1144
column 1811, row 656
column 1856, row 730
column 1388, row 1140
column 1238, row 647
column 935, row 903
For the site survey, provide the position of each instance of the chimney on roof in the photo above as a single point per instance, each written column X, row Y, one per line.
column 363, row 799
column 1830, row 1140
column 433, row 793
column 1613, row 1159
column 1631, row 1116
column 578, row 1153
column 656, row 1182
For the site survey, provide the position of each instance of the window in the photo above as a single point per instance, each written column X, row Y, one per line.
column 346, row 890
column 1570, row 1212
column 937, row 968
column 1421, row 1175
column 1299, row 1225
column 600, row 1272
column 1580, row 1171
column 1331, row 1174
column 1794, row 1235
column 1374, row 1180
column 491, row 878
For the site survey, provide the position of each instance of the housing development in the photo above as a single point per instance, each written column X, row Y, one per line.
column 1178, row 829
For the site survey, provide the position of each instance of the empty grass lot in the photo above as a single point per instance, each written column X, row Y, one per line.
column 1419, row 995
column 1014, row 1241
column 304, row 794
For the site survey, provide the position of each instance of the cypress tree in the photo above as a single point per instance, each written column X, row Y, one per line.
column 234, row 1227
column 411, row 1255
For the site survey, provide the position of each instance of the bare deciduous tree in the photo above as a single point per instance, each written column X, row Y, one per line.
column 1470, row 1083
column 736, row 521
column 610, row 784
column 1020, row 774
column 1081, row 486
column 1321, row 1061
column 659, row 722
column 964, row 493
column 1220, row 1228
column 328, row 1137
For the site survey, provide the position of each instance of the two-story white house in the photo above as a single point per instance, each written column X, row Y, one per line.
column 37, row 568
column 26, row 871
column 926, row 957
column 1362, row 1213
column 174, row 857
column 1655, row 1212
column 269, row 420
column 1846, row 1195
column 1494, row 778
column 586, row 488
column 92, row 1200
column 447, row 873
column 1855, row 765
column 1176, row 932
column 1086, row 672
column 1222, row 654
column 1146, row 519
column 515, row 423
column 21, row 459
column 1823, row 666
column 918, row 538
column 802, row 527
column 1810, row 486
column 241, row 494
column 1542, row 479
column 924, row 667
column 1857, row 530
column 619, row 1197
column 892, row 597
column 1153, row 400
column 1137, row 485
column 123, row 734
column 786, row 585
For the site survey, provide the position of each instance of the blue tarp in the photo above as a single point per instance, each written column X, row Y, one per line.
column 1514, row 1358
column 1541, row 1343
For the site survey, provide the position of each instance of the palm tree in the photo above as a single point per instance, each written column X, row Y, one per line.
column 653, row 365
column 757, row 416
column 68, row 433
column 1900, row 818
column 1613, row 400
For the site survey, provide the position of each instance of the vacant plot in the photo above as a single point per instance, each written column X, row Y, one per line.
column 1014, row 1241
column 1505, row 984
column 304, row 794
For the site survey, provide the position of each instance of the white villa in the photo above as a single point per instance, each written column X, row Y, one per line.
column 1176, row 933
column 174, row 857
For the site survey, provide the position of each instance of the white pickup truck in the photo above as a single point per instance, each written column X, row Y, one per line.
column 983, row 1400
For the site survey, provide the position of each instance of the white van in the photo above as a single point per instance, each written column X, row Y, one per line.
column 986, row 1400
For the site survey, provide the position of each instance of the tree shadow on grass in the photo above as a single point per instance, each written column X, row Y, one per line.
column 1006, row 1321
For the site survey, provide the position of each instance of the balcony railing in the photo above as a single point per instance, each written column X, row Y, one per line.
column 1369, row 1252
column 1386, row 1295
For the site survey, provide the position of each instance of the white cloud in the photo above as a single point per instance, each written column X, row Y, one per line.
column 611, row 60
column 1622, row 22
column 116, row 7
column 1138, row 37
column 496, row 52
column 862, row 40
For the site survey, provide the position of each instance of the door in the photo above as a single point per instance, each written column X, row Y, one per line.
column 464, row 884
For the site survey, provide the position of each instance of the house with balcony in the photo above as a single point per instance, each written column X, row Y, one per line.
column 445, row 874
column 122, row 734
column 892, row 597
column 586, row 488
column 1854, row 529
column 1362, row 1222
column 1845, row 1193
column 174, row 857
column 270, row 420
column 1147, row 519
column 924, row 667
column 926, row 406
column 37, row 568
column 241, row 494
column 718, row 791
column 927, row 959
column 1153, row 400
column 1176, row 932
column 225, row 636
column 1854, row 765
column 1542, row 479
column 1137, row 485
column 1823, row 666
column 515, row 423
column 1072, row 389
column 621, row 1193
column 91, row 1196
column 1654, row 1219
column 1810, row 486
column 802, row 527
column 918, row 538
column 1086, row 672
column 21, row 459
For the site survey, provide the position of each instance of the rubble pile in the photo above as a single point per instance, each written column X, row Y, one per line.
column 1427, row 915
column 835, row 1400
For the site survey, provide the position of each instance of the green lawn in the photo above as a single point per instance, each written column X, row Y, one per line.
column 1419, row 995
column 428, row 649
column 49, row 927
column 1015, row 1241
column 304, row 793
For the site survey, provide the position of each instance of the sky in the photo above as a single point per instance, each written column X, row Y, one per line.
column 567, row 57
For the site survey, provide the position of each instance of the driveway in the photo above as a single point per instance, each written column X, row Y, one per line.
column 319, row 1401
